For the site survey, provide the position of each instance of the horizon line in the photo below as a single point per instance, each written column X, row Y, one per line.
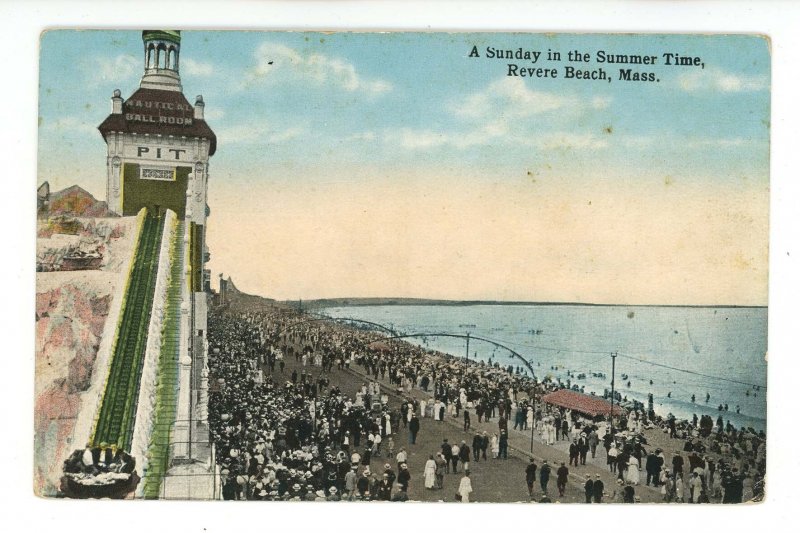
column 399, row 301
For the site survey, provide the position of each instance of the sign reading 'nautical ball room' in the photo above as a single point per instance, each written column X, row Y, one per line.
column 158, row 112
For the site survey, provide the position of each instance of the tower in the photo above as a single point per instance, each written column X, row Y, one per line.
column 158, row 143
column 158, row 148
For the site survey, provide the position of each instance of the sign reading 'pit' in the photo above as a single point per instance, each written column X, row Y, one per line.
column 159, row 153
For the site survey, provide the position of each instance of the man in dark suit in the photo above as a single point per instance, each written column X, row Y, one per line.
column 477, row 442
column 544, row 476
column 503, row 445
column 484, row 444
column 573, row 452
column 447, row 453
column 583, row 447
column 597, row 489
column 562, row 475
column 530, row 476
column 653, row 469
column 413, row 429
column 588, row 488
column 385, row 489
column 463, row 455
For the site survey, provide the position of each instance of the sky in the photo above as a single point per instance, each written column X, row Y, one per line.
column 397, row 165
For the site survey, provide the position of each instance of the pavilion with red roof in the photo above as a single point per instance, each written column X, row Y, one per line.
column 583, row 403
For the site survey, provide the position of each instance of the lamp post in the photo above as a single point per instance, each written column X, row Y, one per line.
column 533, row 411
column 613, row 369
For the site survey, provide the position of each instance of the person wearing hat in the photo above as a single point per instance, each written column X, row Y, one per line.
column 544, row 476
column 401, row 457
column 588, row 488
column 387, row 469
column 310, row 495
column 350, row 480
column 530, row 476
column 404, row 477
column 413, row 429
column 628, row 494
column 484, row 444
column 463, row 455
column 362, row 485
column 573, row 452
column 441, row 467
column 597, row 489
column 503, row 450
column 562, row 475
column 384, row 490
column 447, row 453
column 334, row 495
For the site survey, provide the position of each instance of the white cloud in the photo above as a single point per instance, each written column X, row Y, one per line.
column 116, row 69
column 510, row 96
column 569, row 141
column 492, row 117
column 646, row 142
column 490, row 134
column 714, row 79
column 277, row 62
column 731, row 142
column 193, row 67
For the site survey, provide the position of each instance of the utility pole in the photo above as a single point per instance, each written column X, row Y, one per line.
column 533, row 411
column 467, row 347
column 613, row 369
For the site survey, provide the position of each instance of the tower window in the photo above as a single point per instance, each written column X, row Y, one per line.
column 161, row 56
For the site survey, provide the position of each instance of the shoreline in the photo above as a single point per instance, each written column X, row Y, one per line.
column 322, row 303
column 688, row 380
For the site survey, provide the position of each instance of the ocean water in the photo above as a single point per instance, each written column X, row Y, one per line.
column 683, row 350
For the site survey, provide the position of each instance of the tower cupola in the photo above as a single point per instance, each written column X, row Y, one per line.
column 161, row 60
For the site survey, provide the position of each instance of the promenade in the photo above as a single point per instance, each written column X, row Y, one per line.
column 495, row 480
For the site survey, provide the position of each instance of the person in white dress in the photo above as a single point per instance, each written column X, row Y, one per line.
column 465, row 488
column 633, row 471
column 430, row 473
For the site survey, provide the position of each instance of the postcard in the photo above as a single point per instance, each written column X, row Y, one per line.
column 402, row 266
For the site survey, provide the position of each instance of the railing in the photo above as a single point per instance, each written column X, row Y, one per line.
column 167, row 389
column 178, row 485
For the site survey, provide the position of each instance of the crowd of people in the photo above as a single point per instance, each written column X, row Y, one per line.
column 294, row 436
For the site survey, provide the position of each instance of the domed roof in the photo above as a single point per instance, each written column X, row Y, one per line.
column 162, row 35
